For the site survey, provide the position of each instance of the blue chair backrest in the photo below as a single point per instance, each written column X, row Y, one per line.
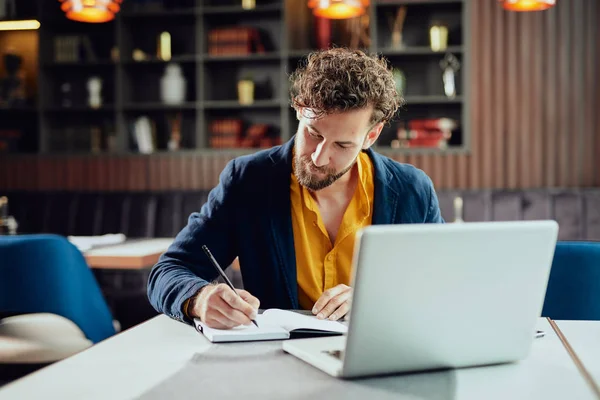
column 46, row 273
column 574, row 286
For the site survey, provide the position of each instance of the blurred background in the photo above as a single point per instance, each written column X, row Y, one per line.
column 117, row 116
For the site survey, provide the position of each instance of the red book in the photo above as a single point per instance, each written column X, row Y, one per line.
column 444, row 124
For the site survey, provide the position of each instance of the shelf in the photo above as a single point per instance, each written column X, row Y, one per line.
column 416, row 100
column 79, row 64
column 208, row 151
column 79, row 109
column 299, row 53
column 234, row 105
column 26, row 109
column 419, row 50
column 295, row 54
column 233, row 151
column 386, row 150
column 190, row 105
column 238, row 10
column 186, row 58
column 272, row 56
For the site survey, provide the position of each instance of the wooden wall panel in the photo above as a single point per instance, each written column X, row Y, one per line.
column 537, row 113
column 496, row 101
column 476, row 82
column 534, row 117
column 594, row 10
column 512, row 103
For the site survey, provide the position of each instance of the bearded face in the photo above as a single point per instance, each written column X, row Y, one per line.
column 316, row 178
column 327, row 147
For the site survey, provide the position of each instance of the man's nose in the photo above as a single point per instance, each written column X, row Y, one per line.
column 320, row 156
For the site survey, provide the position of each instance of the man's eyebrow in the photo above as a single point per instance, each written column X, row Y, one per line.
column 345, row 143
column 313, row 128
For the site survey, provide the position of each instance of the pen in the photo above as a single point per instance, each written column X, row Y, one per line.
column 222, row 273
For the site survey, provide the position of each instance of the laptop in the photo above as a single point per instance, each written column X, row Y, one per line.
column 439, row 296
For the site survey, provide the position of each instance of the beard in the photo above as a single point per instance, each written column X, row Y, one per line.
column 307, row 173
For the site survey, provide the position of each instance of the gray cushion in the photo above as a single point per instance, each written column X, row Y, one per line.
column 39, row 338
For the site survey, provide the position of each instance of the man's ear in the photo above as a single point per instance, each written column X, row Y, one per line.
column 372, row 135
column 299, row 113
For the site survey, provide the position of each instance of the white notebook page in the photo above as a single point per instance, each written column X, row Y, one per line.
column 266, row 331
column 290, row 320
column 272, row 324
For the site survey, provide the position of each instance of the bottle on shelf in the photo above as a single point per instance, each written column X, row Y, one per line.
column 8, row 225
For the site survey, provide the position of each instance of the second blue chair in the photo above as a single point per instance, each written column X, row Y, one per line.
column 574, row 287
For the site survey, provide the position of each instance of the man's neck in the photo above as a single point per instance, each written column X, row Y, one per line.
column 341, row 189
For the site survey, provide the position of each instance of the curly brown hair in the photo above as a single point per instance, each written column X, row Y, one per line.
column 340, row 79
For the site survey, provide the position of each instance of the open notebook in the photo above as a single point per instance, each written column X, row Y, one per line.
column 274, row 324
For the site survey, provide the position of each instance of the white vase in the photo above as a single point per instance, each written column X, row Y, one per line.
column 172, row 85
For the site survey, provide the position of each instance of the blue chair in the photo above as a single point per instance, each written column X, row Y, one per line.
column 45, row 273
column 574, row 287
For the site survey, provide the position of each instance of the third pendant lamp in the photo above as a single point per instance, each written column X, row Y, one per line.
column 527, row 5
column 338, row 9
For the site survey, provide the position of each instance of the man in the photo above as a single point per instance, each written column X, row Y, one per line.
column 291, row 213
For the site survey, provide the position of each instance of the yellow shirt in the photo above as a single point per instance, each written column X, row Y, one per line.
column 319, row 264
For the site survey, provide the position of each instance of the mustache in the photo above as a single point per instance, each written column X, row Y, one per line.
column 307, row 161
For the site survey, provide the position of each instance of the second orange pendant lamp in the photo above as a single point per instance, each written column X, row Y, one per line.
column 338, row 9
column 95, row 11
column 527, row 5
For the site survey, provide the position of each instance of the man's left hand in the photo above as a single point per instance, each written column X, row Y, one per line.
column 334, row 303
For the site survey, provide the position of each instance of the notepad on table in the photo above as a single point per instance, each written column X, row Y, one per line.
column 274, row 324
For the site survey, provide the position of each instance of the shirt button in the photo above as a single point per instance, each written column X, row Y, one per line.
column 329, row 257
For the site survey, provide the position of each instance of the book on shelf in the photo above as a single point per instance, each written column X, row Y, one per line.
column 427, row 132
column 234, row 41
column 230, row 133
column 73, row 48
column 225, row 133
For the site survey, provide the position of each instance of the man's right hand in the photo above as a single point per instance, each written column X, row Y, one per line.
column 219, row 307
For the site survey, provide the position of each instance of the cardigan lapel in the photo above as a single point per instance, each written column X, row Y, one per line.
column 385, row 202
column 280, row 211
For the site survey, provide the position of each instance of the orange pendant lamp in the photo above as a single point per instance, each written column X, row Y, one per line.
column 338, row 9
column 527, row 5
column 94, row 11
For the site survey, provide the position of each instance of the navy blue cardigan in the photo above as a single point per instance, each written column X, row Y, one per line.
column 248, row 215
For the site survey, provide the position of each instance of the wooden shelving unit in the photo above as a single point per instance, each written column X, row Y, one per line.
column 132, row 88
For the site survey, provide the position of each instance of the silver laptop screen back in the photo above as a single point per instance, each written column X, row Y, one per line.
column 437, row 296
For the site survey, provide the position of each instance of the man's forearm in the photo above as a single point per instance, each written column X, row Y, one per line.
column 169, row 286
column 184, row 268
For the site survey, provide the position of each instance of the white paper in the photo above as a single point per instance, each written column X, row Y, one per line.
column 292, row 320
column 85, row 243
column 265, row 331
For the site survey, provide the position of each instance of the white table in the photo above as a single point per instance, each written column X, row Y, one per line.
column 584, row 339
column 135, row 254
column 127, row 365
